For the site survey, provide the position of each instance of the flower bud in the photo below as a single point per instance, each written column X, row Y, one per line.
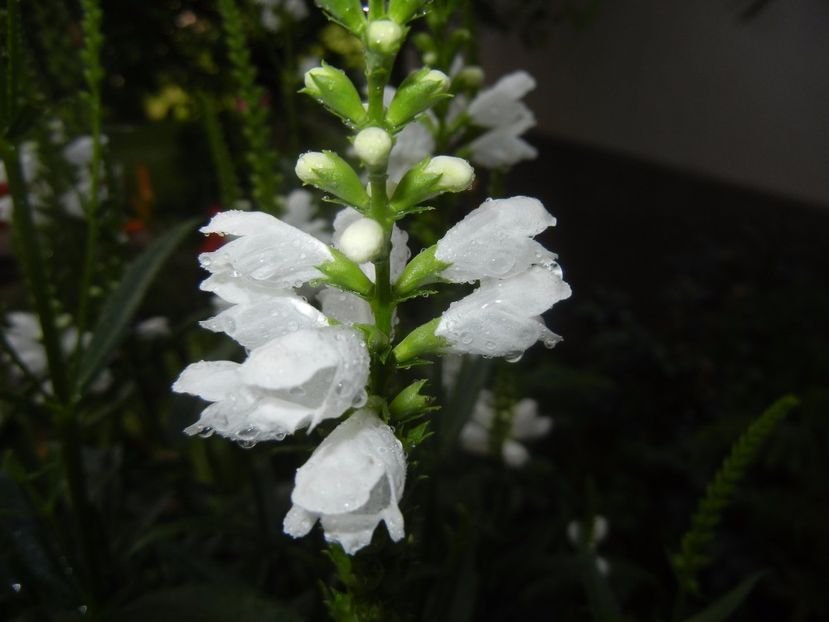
column 334, row 90
column 384, row 36
column 430, row 178
column 362, row 240
column 419, row 92
column 372, row 145
column 470, row 78
column 421, row 341
column 329, row 172
column 456, row 174
column 346, row 275
column 410, row 402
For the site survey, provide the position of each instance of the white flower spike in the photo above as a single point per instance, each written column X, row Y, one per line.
column 266, row 251
column 495, row 240
column 351, row 482
column 500, row 104
column 502, row 317
column 293, row 381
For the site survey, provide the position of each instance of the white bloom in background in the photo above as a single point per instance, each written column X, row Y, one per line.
column 253, row 324
column 273, row 12
column 79, row 154
column 351, row 482
column 5, row 197
column 266, row 254
column 590, row 541
column 525, row 425
column 153, row 328
column 502, row 317
column 495, row 240
column 299, row 213
column 412, row 144
column 499, row 109
column 291, row 382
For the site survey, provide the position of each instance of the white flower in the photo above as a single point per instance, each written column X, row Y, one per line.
column 293, row 381
column 525, row 425
column 266, row 254
column 253, row 324
column 274, row 11
column 299, row 213
column 495, row 240
column 345, row 307
column 597, row 534
column 502, row 317
column 412, row 144
column 500, row 105
column 153, row 328
column 503, row 147
column 351, row 482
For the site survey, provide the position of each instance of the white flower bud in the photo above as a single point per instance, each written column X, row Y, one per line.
column 438, row 76
column 456, row 173
column 384, row 36
column 362, row 240
column 372, row 145
column 308, row 165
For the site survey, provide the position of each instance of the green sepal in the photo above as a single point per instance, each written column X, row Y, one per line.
column 411, row 402
column 347, row 13
column 403, row 11
column 418, row 293
column 416, row 435
column 342, row 180
column 421, row 341
column 414, row 363
column 344, row 274
column 376, row 341
column 423, row 269
column 415, row 95
column 334, row 89
column 416, row 186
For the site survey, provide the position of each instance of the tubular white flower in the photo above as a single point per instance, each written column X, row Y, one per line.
column 362, row 240
column 502, row 317
column 293, row 381
column 495, row 240
column 499, row 105
column 266, row 251
column 525, row 425
column 256, row 323
column 351, row 482
column 503, row 147
column 456, row 175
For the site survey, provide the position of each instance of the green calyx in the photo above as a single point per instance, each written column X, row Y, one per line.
column 403, row 11
column 334, row 90
column 347, row 13
column 344, row 274
column 329, row 172
column 421, row 270
column 419, row 91
column 422, row 341
column 410, row 402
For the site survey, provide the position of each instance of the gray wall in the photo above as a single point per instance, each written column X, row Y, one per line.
column 686, row 84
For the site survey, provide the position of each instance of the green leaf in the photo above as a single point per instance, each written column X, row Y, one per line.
column 122, row 304
column 722, row 608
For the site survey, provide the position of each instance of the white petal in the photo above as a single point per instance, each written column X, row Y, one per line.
column 500, row 318
column 495, row 240
column 475, row 438
column 514, row 453
column 238, row 291
column 345, row 307
column 267, row 249
column 210, row 380
column 412, row 144
column 256, row 323
column 351, row 482
column 526, row 424
column 498, row 105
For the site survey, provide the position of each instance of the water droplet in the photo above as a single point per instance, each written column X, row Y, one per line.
column 246, row 444
column 489, row 345
column 280, row 436
column 247, row 432
column 235, row 274
column 513, row 357
column 206, row 432
column 550, row 342
column 230, row 325
column 360, row 399
column 465, row 338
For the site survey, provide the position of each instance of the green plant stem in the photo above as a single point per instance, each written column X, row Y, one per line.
column 93, row 74
column 376, row 9
column 34, row 269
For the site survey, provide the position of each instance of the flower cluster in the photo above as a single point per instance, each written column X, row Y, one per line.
column 273, row 13
column 307, row 364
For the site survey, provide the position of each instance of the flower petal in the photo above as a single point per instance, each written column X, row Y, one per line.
column 345, row 307
column 210, row 380
column 498, row 105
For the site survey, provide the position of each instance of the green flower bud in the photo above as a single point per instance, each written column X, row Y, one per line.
column 402, row 11
column 421, row 270
column 419, row 92
column 362, row 240
column 334, row 90
column 330, row 173
column 469, row 78
column 372, row 145
column 384, row 36
column 410, row 402
column 430, row 178
column 348, row 13
column 343, row 273
column 421, row 341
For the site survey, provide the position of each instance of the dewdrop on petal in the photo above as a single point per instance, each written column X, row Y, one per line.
column 373, row 145
column 384, row 36
column 456, row 173
column 362, row 240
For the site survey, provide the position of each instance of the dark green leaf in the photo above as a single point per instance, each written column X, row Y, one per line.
column 726, row 605
column 122, row 304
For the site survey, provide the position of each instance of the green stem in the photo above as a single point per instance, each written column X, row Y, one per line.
column 33, row 264
column 376, row 9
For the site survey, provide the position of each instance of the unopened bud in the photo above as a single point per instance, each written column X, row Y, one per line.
column 362, row 240
column 471, row 77
column 310, row 165
column 333, row 89
column 329, row 172
column 456, row 174
column 384, row 36
column 372, row 145
column 418, row 92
